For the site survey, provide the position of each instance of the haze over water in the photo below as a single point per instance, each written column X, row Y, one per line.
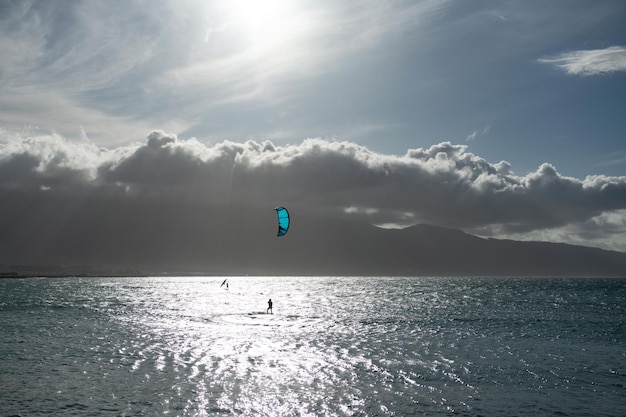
column 335, row 346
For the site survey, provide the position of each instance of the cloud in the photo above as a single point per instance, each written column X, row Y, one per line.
column 66, row 66
column 443, row 184
column 472, row 136
column 605, row 231
column 475, row 134
column 182, row 64
column 590, row 62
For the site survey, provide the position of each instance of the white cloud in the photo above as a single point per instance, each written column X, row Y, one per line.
column 590, row 62
column 606, row 230
column 443, row 184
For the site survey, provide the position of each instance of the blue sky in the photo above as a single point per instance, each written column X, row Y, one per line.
column 520, row 84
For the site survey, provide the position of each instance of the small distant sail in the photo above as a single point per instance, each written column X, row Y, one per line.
column 283, row 220
column 224, row 282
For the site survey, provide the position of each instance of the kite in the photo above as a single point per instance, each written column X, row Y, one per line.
column 283, row 220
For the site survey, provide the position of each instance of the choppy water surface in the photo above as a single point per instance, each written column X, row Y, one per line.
column 333, row 347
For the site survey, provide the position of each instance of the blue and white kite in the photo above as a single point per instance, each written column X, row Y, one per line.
column 283, row 220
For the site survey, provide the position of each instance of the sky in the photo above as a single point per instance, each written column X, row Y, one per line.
column 501, row 118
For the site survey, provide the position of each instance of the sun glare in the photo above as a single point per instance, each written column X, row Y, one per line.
column 266, row 24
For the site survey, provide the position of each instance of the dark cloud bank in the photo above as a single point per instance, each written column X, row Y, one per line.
column 172, row 205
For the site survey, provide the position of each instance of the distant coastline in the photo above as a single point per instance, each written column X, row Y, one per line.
column 52, row 274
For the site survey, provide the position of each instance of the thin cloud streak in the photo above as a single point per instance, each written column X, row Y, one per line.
column 444, row 184
column 590, row 62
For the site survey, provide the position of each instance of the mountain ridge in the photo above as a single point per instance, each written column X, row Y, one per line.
column 313, row 246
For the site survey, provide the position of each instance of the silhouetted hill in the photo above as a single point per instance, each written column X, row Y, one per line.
column 355, row 249
column 143, row 240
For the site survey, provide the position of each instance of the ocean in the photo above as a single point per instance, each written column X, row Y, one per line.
column 334, row 346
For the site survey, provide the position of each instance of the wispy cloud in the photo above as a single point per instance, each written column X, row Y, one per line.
column 172, row 63
column 616, row 158
column 590, row 62
column 475, row 134
column 66, row 66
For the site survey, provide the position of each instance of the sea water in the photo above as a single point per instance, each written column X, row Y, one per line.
column 334, row 346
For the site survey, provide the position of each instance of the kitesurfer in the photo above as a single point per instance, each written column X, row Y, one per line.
column 269, row 307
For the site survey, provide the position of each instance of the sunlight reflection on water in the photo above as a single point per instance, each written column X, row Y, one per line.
column 314, row 356
column 333, row 347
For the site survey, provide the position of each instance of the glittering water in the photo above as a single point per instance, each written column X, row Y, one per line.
column 333, row 347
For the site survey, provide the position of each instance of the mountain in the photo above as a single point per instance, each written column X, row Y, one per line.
column 350, row 248
column 236, row 242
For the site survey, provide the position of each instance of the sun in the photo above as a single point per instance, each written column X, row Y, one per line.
column 266, row 24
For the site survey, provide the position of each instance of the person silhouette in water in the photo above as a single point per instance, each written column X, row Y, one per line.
column 269, row 307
